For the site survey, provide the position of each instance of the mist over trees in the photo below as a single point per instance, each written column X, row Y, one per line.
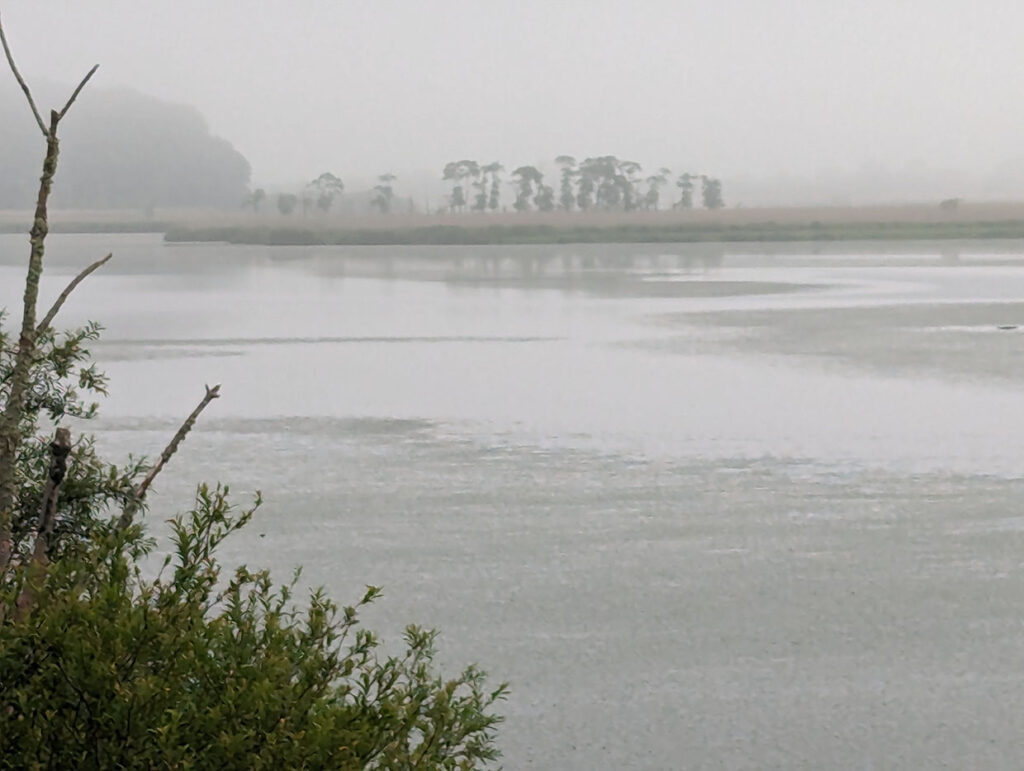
column 321, row 192
column 383, row 193
column 603, row 183
column 125, row 150
column 131, row 151
column 598, row 184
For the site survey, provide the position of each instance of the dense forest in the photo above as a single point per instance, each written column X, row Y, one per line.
column 124, row 150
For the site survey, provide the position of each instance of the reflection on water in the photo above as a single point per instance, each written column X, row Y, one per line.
column 735, row 506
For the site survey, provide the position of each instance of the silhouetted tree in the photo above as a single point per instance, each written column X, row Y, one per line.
column 323, row 190
column 566, row 197
column 685, row 185
column 598, row 180
column 458, row 172
column 544, row 200
column 479, row 185
column 627, row 180
column 494, row 171
column 383, row 193
column 711, row 193
column 586, row 188
column 526, row 177
column 608, row 183
column 457, row 201
column 654, row 184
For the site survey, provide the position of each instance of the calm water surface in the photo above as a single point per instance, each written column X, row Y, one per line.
column 704, row 507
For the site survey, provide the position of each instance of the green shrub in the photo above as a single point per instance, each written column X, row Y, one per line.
column 112, row 669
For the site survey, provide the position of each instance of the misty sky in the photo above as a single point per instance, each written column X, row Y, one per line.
column 755, row 87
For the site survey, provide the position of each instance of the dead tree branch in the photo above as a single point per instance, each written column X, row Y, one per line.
column 55, row 116
column 50, row 314
column 21, row 82
column 212, row 392
column 14, row 410
column 77, row 91
column 13, row 413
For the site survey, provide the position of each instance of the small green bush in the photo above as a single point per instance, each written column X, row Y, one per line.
column 112, row 669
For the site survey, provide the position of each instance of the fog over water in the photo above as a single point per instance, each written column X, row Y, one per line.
column 787, row 101
column 708, row 506
column 724, row 505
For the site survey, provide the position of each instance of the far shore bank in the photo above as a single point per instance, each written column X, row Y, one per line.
column 797, row 224
column 441, row 235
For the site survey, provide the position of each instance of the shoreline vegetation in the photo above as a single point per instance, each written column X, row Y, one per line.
column 796, row 224
column 125, row 649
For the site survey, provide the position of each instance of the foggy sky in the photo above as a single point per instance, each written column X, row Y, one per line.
column 729, row 87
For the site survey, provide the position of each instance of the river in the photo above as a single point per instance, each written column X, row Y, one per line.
column 728, row 507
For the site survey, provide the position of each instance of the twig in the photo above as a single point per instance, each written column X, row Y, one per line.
column 50, row 314
column 212, row 392
column 74, row 95
column 22, row 83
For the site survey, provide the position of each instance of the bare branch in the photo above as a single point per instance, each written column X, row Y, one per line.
column 212, row 392
column 74, row 95
column 22, row 83
column 50, row 314
column 11, row 436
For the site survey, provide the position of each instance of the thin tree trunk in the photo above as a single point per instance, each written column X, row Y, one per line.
column 60, row 448
column 14, row 410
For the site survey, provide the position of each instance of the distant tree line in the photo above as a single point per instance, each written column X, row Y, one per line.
column 320, row 195
column 604, row 183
